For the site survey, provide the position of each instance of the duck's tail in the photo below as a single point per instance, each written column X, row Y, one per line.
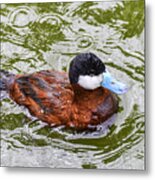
column 5, row 78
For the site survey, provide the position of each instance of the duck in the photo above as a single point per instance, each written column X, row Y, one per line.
column 84, row 97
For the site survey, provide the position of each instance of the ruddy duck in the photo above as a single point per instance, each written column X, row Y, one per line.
column 84, row 97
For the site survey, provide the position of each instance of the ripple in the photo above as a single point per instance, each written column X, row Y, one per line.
column 50, row 23
column 22, row 17
column 84, row 41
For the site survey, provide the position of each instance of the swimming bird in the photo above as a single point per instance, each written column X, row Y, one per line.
column 85, row 97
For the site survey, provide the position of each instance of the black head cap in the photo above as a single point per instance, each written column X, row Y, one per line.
column 85, row 64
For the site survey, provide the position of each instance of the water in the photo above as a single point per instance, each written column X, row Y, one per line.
column 47, row 36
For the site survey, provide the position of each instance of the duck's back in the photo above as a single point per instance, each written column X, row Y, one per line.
column 47, row 94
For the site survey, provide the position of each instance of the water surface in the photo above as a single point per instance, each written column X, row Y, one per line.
column 47, row 36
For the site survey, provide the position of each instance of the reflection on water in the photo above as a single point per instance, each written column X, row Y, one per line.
column 47, row 36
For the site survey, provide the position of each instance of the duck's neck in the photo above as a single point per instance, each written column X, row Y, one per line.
column 82, row 94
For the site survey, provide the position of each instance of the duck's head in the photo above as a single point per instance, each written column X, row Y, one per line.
column 89, row 72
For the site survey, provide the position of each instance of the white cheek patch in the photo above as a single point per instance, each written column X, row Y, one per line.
column 90, row 82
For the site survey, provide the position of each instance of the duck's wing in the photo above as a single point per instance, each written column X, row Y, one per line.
column 47, row 94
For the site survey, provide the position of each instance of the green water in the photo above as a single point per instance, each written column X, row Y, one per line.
column 47, row 36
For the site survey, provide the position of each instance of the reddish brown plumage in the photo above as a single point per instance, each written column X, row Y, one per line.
column 49, row 96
